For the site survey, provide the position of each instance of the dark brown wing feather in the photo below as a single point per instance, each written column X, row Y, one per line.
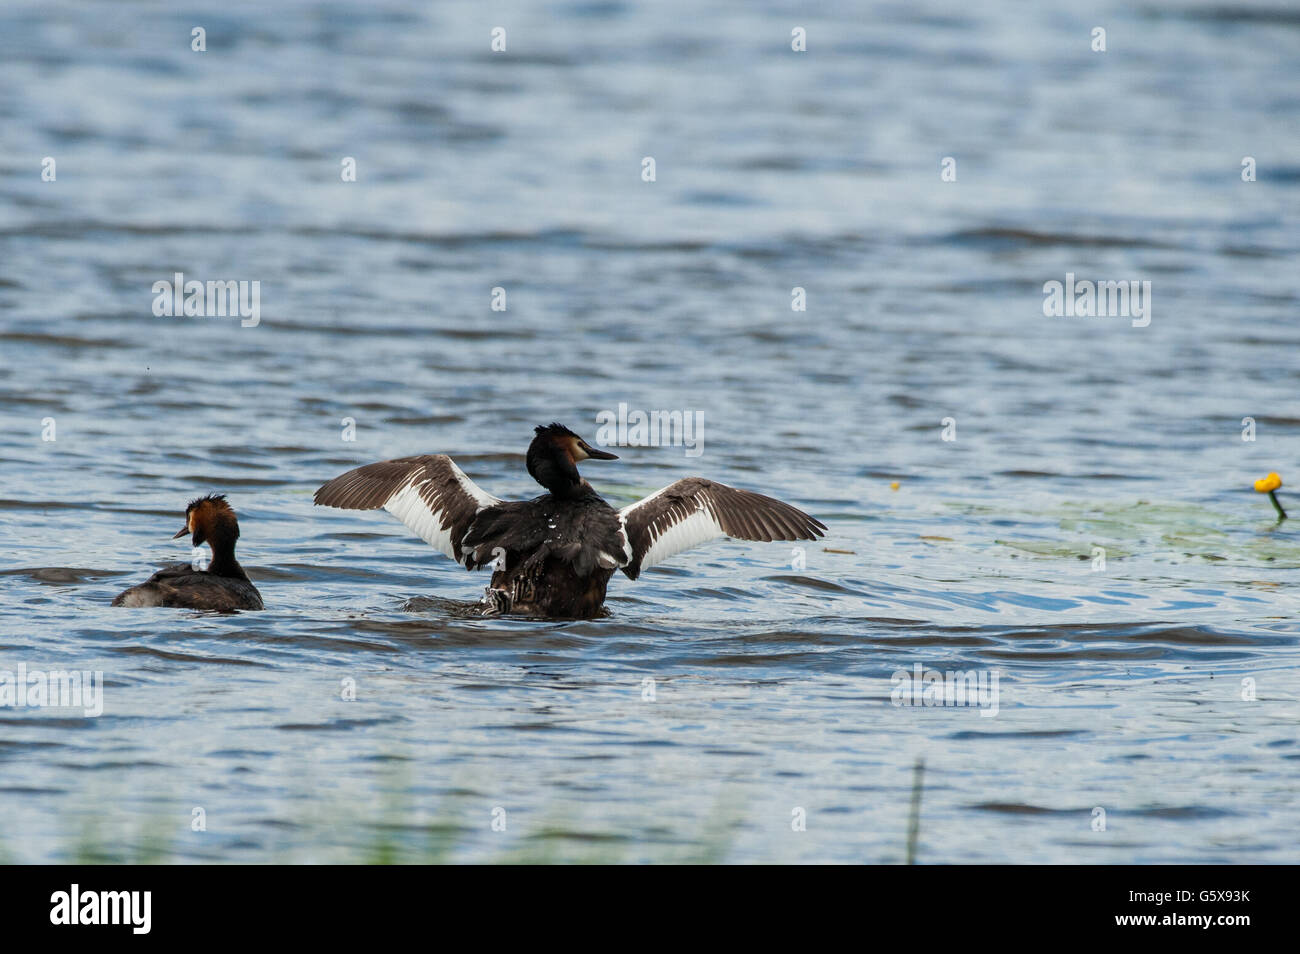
column 428, row 493
column 694, row 511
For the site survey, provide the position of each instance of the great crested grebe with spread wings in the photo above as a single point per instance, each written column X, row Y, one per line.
column 553, row 555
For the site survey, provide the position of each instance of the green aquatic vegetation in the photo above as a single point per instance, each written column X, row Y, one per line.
column 1063, row 550
column 391, row 831
column 914, row 810
column 1160, row 530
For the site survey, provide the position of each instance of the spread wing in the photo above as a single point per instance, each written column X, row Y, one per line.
column 429, row 494
column 694, row 511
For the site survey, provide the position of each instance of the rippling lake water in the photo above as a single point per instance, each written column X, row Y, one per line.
column 1161, row 688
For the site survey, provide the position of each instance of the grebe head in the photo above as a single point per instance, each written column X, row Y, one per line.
column 554, row 454
column 211, row 520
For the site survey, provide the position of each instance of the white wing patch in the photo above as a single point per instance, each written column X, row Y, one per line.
column 667, row 538
column 481, row 496
column 410, row 507
column 694, row 511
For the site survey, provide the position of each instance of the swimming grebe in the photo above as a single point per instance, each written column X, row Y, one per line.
column 222, row 586
column 553, row 555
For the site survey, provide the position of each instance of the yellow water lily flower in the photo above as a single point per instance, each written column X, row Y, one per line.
column 1267, row 484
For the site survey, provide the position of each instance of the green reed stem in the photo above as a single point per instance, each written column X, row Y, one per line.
column 914, row 816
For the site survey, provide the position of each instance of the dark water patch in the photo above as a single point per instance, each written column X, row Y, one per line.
column 345, row 535
column 733, row 199
column 456, row 241
column 540, row 635
column 279, row 824
column 812, row 583
column 579, row 837
column 995, row 236
column 739, row 657
column 1142, row 633
column 300, row 572
column 1182, row 812
column 262, row 574
column 112, row 766
column 154, row 652
column 200, row 480
column 43, row 505
column 715, row 593
column 241, row 754
column 53, row 722
column 1019, row 808
column 939, row 640
column 1127, row 654
column 1027, row 734
column 338, row 725
column 62, row 574
column 60, row 341
column 299, row 641
column 1245, row 14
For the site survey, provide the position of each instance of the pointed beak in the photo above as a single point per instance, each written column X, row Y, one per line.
column 180, row 533
column 600, row 454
